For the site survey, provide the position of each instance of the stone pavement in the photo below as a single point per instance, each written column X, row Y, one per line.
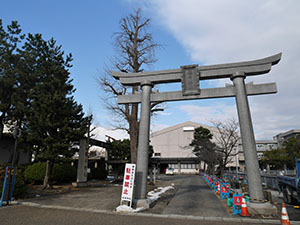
column 104, row 199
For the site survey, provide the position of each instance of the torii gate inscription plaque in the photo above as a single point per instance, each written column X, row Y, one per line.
column 190, row 77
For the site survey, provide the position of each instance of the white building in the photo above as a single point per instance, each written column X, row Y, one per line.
column 172, row 148
column 280, row 138
column 261, row 147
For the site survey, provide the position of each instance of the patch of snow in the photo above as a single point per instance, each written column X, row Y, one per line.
column 151, row 197
column 125, row 208
column 155, row 194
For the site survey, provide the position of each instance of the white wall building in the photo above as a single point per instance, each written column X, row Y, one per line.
column 261, row 147
column 172, row 148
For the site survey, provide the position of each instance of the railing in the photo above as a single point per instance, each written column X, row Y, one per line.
column 282, row 172
column 268, row 181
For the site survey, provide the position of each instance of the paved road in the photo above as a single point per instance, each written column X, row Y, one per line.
column 25, row 215
column 196, row 198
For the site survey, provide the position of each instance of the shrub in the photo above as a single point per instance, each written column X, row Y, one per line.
column 35, row 173
column 61, row 173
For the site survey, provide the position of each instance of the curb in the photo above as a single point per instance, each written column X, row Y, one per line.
column 167, row 216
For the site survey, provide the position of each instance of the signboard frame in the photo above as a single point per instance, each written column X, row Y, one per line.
column 128, row 183
column 8, row 184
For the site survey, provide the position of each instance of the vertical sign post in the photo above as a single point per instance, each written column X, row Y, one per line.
column 128, row 183
column 8, row 185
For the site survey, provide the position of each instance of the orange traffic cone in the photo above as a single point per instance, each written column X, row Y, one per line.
column 244, row 211
column 219, row 189
column 284, row 216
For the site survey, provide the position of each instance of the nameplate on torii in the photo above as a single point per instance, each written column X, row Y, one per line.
column 190, row 80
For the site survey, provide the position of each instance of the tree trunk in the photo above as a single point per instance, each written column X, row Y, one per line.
column 134, row 130
column 133, row 140
column 47, row 181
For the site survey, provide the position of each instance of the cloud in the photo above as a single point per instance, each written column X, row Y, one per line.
column 204, row 114
column 221, row 31
column 100, row 132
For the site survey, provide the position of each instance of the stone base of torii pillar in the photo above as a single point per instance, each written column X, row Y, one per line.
column 262, row 208
column 141, row 203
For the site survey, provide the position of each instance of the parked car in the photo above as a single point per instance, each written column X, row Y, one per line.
column 169, row 171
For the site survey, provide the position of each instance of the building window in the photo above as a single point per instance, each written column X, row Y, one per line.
column 174, row 166
column 157, row 154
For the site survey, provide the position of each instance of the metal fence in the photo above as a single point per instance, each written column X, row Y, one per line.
column 268, row 181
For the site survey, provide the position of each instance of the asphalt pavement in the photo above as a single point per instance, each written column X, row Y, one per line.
column 195, row 198
column 25, row 215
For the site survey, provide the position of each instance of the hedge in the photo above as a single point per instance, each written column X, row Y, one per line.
column 61, row 173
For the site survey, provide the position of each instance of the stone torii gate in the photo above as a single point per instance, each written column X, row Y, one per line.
column 190, row 76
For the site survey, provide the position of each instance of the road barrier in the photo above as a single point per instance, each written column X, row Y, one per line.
column 244, row 211
column 237, row 199
column 284, row 216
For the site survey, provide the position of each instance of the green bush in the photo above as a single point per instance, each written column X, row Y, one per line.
column 20, row 189
column 61, row 173
column 35, row 173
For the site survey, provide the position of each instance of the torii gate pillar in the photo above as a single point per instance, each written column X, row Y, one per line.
column 143, row 147
column 247, row 134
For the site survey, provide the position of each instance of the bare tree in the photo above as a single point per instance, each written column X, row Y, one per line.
column 226, row 140
column 135, row 49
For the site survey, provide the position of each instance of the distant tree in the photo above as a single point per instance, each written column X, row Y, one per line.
column 284, row 157
column 54, row 120
column 226, row 140
column 205, row 149
column 275, row 157
column 120, row 150
column 12, row 81
column 135, row 49
column 292, row 147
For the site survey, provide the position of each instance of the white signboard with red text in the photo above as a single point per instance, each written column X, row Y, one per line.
column 128, row 183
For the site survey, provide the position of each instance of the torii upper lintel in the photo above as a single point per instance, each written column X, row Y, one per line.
column 249, row 68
